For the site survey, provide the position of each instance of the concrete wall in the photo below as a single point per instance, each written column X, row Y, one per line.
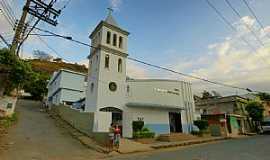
column 80, row 120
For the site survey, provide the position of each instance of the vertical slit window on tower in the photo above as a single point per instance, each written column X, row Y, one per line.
column 108, row 37
column 92, row 87
column 119, row 65
column 114, row 39
column 120, row 42
column 107, row 61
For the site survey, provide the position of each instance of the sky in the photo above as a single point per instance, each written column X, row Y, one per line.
column 185, row 35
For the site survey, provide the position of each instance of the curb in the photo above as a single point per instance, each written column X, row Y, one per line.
column 189, row 143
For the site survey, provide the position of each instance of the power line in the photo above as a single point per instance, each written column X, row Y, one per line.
column 10, row 22
column 34, row 25
column 52, row 49
column 247, row 26
column 65, row 5
column 159, row 67
column 229, row 24
column 233, row 28
column 255, row 16
column 10, row 10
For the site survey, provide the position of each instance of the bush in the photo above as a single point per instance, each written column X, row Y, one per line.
column 145, row 129
column 197, row 133
column 8, row 121
column 143, row 134
column 137, row 125
column 201, row 124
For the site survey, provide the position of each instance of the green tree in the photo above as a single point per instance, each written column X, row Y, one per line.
column 206, row 95
column 37, row 85
column 18, row 71
column 255, row 111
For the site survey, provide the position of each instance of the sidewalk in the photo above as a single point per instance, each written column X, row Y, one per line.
column 130, row 146
column 161, row 145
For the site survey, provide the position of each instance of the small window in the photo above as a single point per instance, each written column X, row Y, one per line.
column 114, row 39
column 108, row 37
column 92, row 87
column 120, row 42
column 119, row 65
column 107, row 61
column 128, row 89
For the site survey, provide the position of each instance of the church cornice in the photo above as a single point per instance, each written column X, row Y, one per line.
column 103, row 23
column 107, row 49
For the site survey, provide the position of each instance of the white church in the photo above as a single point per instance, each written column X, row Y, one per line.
column 165, row 106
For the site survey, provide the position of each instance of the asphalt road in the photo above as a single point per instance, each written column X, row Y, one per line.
column 36, row 137
column 252, row 148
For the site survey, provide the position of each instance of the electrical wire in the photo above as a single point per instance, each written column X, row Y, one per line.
column 229, row 24
column 8, row 19
column 246, row 25
column 233, row 28
column 255, row 16
column 52, row 49
column 160, row 67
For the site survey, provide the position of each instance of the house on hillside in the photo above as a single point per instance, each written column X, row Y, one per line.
column 66, row 87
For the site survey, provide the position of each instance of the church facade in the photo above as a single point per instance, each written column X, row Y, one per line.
column 165, row 106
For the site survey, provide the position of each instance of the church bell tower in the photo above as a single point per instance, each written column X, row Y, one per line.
column 106, row 89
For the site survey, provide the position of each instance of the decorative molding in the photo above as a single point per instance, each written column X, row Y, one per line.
column 103, row 23
column 107, row 49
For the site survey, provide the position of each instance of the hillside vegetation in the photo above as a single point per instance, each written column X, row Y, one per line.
column 49, row 67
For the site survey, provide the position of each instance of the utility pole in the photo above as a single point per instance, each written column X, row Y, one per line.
column 38, row 9
column 18, row 30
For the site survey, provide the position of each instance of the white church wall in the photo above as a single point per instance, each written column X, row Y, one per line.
column 156, row 120
column 106, row 97
column 161, row 92
column 102, row 121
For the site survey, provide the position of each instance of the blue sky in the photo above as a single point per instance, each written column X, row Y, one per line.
column 184, row 34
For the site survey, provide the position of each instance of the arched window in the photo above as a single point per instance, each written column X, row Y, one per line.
column 120, row 45
column 92, row 87
column 107, row 61
column 119, row 65
column 114, row 39
column 108, row 40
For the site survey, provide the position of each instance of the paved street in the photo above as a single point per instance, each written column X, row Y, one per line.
column 253, row 148
column 36, row 137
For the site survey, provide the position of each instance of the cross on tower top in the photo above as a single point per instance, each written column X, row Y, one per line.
column 110, row 10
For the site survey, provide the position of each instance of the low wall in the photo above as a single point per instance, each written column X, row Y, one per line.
column 83, row 121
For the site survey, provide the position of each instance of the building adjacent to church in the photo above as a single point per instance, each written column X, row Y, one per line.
column 165, row 106
column 66, row 87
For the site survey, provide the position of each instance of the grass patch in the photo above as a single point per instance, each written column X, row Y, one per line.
column 8, row 121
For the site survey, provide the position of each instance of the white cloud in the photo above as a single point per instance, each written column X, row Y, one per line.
column 231, row 61
column 136, row 71
column 84, row 62
column 115, row 4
